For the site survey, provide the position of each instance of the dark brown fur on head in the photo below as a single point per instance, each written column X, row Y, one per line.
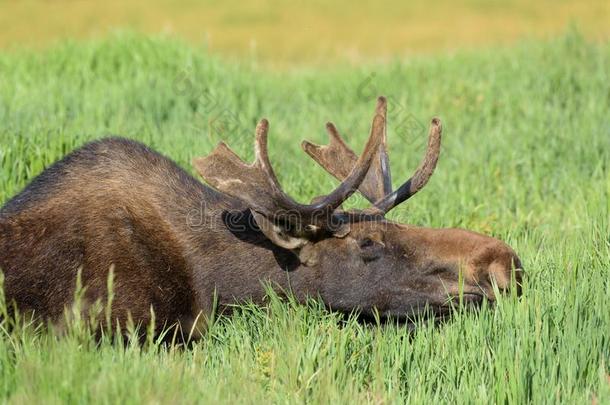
column 175, row 245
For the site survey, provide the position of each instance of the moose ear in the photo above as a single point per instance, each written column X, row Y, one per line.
column 277, row 234
column 307, row 252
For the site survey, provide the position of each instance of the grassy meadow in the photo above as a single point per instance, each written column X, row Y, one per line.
column 526, row 158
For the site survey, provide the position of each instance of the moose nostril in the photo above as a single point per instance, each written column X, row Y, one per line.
column 500, row 274
column 506, row 272
column 519, row 274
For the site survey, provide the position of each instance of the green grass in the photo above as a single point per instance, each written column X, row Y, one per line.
column 526, row 158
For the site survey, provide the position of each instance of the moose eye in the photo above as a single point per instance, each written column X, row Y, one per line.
column 370, row 250
column 366, row 242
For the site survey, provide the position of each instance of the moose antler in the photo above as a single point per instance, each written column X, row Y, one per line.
column 258, row 186
column 422, row 174
column 337, row 159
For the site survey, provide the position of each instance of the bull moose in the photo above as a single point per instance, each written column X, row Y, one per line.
column 179, row 249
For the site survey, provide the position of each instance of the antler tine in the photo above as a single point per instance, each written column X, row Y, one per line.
column 335, row 137
column 382, row 168
column 421, row 175
column 359, row 171
column 336, row 151
column 260, row 150
column 338, row 159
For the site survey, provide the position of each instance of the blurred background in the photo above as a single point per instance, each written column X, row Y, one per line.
column 522, row 88
column 314, row 32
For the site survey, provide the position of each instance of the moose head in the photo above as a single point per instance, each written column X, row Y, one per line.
column 360, row 259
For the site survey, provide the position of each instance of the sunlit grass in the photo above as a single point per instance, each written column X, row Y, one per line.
column 526, row 158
